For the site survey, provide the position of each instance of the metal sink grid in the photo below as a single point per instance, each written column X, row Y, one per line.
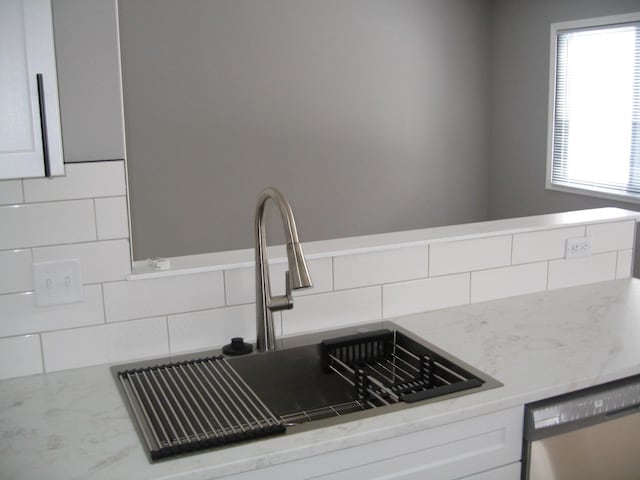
column 194, row 405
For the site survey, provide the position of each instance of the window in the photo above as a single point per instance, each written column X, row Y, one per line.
column 594, row 114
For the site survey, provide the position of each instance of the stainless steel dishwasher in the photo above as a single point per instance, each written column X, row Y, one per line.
column 589, row 434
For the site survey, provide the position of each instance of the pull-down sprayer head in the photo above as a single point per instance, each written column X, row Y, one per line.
column 298, row 271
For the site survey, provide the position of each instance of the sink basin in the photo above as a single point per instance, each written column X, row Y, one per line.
column 293, row 383
column 193, row 402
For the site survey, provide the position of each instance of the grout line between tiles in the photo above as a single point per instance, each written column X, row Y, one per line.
column 428, row 247
column 548, row 271
column 333, row 274
column 66, row 200
column 95, row 218
column 69, row 244
column 41, row 352
column 222, row 307
column 166, row 325
column 224, row 287
column 511, row 257
column 104, row 303
column 21, row 292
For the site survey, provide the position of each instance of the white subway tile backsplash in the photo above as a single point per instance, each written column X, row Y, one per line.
column 422, row 295
column 82, row 180
column 332, row 310
column 240, row 282
column 580, row 271
column 508, row 281
column 376, row 268
column 606, row 237
column 112, row 218
column 210, row 329
column 20, row 315
column 161, row 296
column 16, row 264
column 11, row 192
column 20, row 356
column 469, row 255
column 38, row 224
column 543, row 245
column 84, row 215
column 105, row 261
column 105, row 343
column 240, row 285
column 625, row 264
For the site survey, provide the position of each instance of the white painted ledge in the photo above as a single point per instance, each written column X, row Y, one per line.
column 232, row 259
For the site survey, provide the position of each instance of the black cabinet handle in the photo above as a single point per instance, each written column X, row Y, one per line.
column 43, row 125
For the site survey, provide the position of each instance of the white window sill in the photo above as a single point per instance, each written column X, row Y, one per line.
column 587, row 192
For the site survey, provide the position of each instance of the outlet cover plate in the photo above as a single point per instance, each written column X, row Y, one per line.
column 57, row 282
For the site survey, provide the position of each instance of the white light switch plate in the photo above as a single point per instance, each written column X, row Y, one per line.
column 57, row 282
column 578, row 247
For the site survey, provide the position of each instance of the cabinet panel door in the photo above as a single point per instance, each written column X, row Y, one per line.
column 27, row 49
column 508, row 472
column 450, row 451
column 487, row 445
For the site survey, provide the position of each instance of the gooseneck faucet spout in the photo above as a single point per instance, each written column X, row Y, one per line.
column 296, row 277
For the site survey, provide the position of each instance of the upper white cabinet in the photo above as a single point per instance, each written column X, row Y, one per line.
column 30, row 136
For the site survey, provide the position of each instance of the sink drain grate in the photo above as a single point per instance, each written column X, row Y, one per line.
column 193, row 405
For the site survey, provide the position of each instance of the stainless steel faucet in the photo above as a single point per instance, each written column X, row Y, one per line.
column 296, row 277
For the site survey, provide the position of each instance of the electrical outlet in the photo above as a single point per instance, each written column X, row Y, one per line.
column 578, row 247
column 57, row 282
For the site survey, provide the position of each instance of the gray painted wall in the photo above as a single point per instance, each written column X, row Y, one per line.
column 520, row 88
column 520, row 77
column 388, row 165
column 370, row 115
column 86, row 38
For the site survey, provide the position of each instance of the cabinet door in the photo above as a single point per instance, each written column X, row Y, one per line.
column 508, row 472
column 28, row 91
column 488, row 446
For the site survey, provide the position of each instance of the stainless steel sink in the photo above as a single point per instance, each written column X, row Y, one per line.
column 192, row 402
column 293, row 383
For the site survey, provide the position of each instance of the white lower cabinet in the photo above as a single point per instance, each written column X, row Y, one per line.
column 508, row 472
column 478, row 448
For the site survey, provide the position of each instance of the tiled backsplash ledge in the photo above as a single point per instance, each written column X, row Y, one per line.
column 356, row 280
column 386, row 241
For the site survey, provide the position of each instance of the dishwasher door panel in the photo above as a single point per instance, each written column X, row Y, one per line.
column 608, row 450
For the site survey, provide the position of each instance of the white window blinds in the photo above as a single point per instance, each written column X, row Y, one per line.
column 595, row 114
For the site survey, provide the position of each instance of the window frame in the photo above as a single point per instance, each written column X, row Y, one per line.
column 556, row 28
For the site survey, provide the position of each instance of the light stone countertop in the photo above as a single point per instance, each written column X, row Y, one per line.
column 73, row 424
